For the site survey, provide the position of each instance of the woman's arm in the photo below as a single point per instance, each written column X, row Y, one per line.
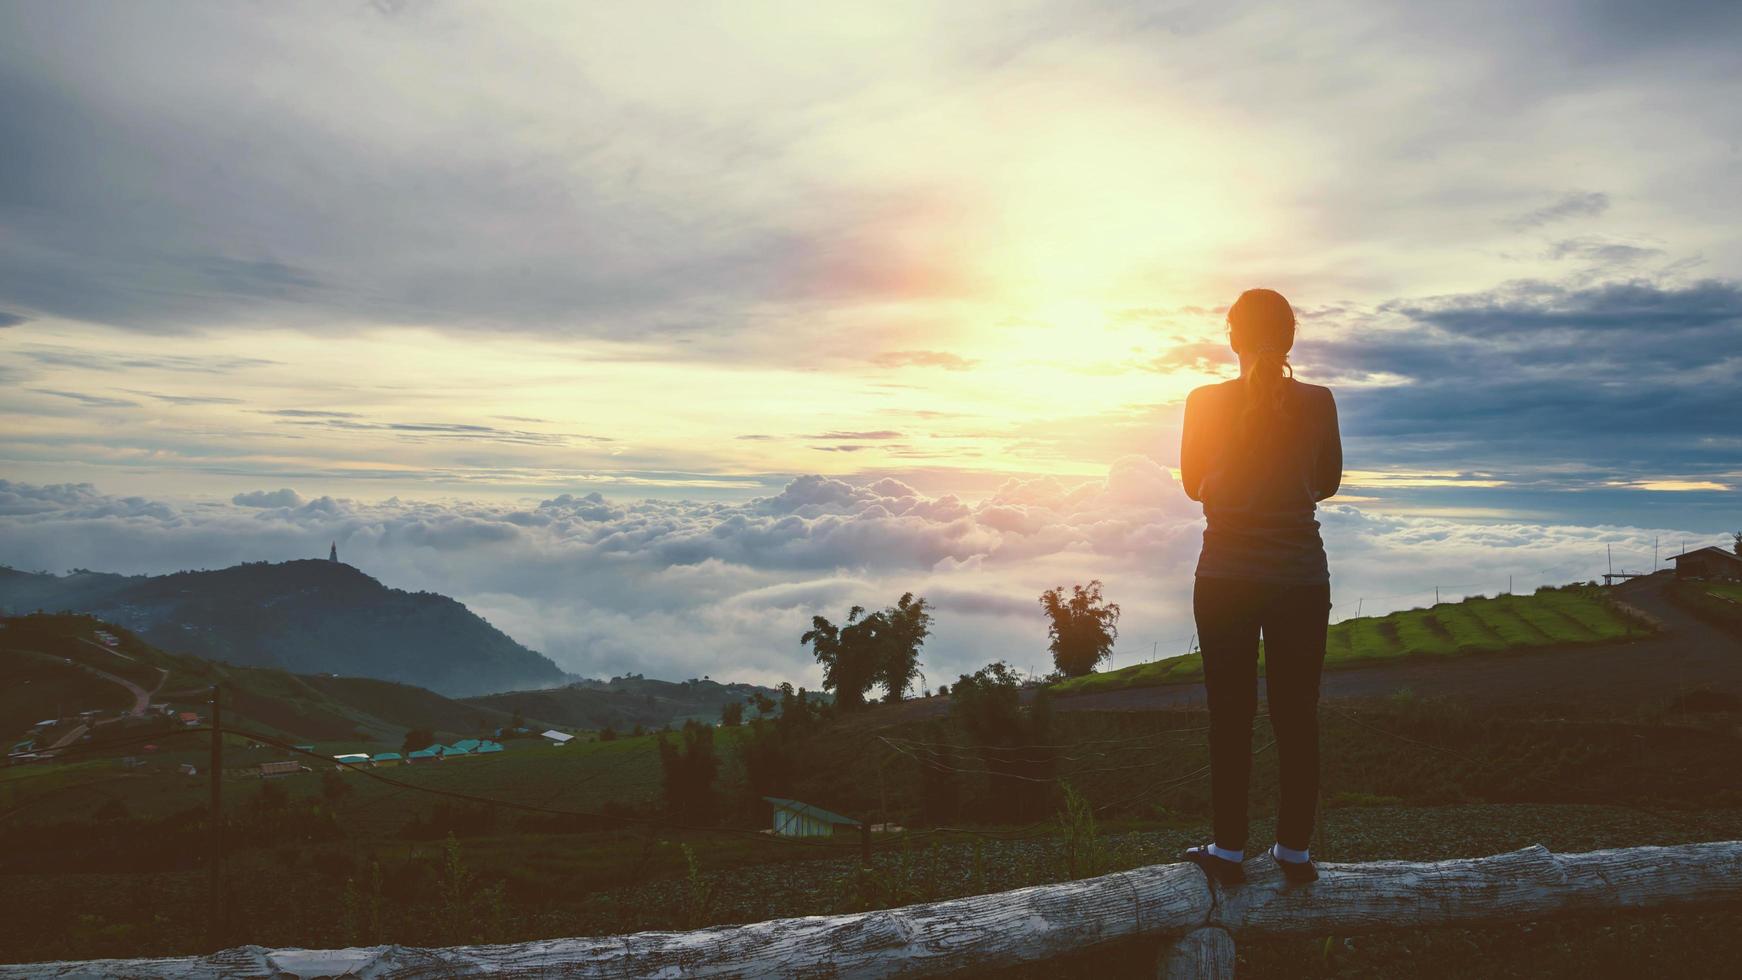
column 1191, row 447
column 1328, row 471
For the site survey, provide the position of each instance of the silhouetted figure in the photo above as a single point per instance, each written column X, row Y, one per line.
column 1260, row 452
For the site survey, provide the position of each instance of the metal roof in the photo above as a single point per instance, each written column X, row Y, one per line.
column 1714, row 549
column 557, row 736
column 827, row 816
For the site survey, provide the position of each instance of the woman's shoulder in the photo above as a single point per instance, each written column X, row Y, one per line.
column 1315, row 393
column 1215, row 391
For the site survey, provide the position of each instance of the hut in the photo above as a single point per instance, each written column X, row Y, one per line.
column 795, row 819
column 1708, row 563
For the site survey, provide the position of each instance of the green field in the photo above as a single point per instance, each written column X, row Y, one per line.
column 1550, row 617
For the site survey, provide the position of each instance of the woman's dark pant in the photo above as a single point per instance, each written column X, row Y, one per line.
column 1292, row 618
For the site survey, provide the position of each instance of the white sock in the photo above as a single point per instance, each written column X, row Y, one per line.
column 1288, row 854
column 1227, row 855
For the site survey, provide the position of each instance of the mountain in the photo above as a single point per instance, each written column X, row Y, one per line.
column 61, row 664
column 624, row 702
column 299, row 616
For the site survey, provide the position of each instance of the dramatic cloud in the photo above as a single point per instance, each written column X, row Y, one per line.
column 679, row 589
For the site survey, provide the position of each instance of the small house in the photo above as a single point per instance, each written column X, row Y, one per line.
column 559, row 738
column 351, row 759
column 304, row 748
column 384, row 760
column 795, row 819
column 1707, row 563
column 270, row 769
column 189, row 719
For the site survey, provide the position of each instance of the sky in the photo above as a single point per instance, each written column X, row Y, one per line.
column 651, row 330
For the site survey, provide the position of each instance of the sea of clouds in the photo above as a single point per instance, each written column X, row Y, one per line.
column 679, row 589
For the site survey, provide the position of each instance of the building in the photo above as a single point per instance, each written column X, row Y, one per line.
column 187, row 769
column 559, row 738
column 352, row 759
column 432, row 754
column 268, row 769
column 795, row 819
column 385, row 759
column 1708, row 563
column 486, row 747
column 189, row 719
column 465, row 746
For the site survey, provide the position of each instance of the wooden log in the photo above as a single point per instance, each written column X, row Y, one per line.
column 1205, row 953
column 983, row 932
column 986, row 932
column 1520, row 884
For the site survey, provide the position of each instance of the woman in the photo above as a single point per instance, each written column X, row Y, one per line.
column 1260, row 452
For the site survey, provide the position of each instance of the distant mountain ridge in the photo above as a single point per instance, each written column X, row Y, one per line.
column 308, row 617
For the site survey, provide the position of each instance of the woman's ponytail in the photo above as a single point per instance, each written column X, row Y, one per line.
column 1261, row 329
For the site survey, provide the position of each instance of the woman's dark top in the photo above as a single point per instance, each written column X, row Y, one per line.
column 1259, row 491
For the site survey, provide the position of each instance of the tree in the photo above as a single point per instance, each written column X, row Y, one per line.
column 607, row 734
column 732, row 715
column 1082, row 627
column 1013, row 741
column 901, row 633
column 848, row 654
column 1737, row 547
column 417, row 738
column 687, row 771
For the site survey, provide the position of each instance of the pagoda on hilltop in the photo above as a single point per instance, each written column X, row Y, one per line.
column 333, row 553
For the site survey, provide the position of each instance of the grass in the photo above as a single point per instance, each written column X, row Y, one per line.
column 1551, row 617
column 1512, row 780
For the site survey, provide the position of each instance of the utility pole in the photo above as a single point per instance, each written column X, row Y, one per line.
column 1654, row 552
column 1508, row 585
column 1436, row 595
column 1609, row 550
column 216, row 829
column 1358, row 606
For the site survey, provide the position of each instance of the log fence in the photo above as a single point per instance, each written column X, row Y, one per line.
column 1195, row 924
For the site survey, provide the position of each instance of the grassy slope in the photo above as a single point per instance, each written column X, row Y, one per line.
column 1551, row 617
column 273, row 702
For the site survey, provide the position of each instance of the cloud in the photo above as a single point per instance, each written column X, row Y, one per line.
column 678, row 589
column 94, row 401
column 924, row 358
column 11, row 319
column 268, row 498
column 1577, row 204
column 1534, row 378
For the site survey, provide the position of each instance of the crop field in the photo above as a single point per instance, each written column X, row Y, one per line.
column 1551, row 617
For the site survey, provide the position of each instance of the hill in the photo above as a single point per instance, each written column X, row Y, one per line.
column 1570, row 615
column 624, row 702
column 299, row 616
column 63, row 664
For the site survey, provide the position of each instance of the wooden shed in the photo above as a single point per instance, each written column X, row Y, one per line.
column 795, row 819
column 1708, row 563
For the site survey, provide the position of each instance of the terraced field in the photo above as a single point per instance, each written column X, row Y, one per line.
column 1550, row 617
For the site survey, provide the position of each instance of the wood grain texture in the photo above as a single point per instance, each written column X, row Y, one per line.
column 985, row 932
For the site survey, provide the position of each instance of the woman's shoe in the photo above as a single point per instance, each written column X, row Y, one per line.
column 1296, row 872
column 1220, row 870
